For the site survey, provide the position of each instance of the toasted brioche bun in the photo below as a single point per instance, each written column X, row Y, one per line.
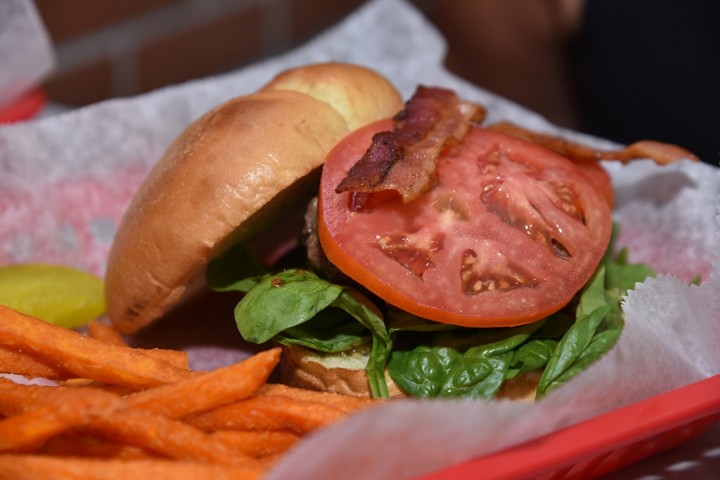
column 229, row 174
column 345, row 374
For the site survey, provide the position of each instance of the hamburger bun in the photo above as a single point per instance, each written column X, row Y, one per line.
column 228, row 175
column 337, row 373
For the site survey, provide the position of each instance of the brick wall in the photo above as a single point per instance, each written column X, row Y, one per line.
column 125, row 47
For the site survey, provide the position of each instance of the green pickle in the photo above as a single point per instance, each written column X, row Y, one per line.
column 61, row 295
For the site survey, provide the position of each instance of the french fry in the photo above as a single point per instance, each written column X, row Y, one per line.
column 258, row 443
column 35, row 425
column 219, row 387
column 83, row 445
column 344, row 403
column 16, row 398
column 83, row 356
column 275, row 412
column 86, row 383
column 32, row 467
column 167, row 437
column 104, row 333
column 268, row 461
column 19, row 362
column 22, row 363
column 178, row 358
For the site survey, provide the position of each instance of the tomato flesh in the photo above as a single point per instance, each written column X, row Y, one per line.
column 507, row 235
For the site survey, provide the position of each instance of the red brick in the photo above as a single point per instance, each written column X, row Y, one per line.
column 83, row 86
column 65, row 19
column 214, row 47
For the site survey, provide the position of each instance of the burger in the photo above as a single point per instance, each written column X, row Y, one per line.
column 440, row 256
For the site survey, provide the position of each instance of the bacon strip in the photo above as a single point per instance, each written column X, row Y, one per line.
column 661, row 153
column 405, row 159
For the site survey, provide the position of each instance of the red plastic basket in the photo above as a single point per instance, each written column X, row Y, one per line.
column 24, row 107
column 605, row 443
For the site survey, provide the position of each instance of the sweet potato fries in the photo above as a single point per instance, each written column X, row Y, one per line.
column 112, row 411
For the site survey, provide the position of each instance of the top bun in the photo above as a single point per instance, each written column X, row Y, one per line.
column 227, row 175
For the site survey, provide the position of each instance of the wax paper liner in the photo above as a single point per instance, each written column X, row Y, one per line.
column 26, row 52
column 66, row 180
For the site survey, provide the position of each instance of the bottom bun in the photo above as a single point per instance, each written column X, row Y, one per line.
column 523, row 387
column 344, row 373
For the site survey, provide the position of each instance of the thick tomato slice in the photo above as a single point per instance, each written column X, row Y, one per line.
column 508, row 234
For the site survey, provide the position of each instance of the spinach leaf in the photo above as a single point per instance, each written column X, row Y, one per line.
column 237, row 269
column 331, row 330
column 376, row 366
column 449, row 369
column 368, row 315
column 400, row 321
column 624, row 276
column 599, row 319
column 531, row 355
column 600, row 344
column 592, row 308
column 555, row 325
column 281, row 301
column 282, row 306
column 445, row 372
column 363, row 310
column 505, row 339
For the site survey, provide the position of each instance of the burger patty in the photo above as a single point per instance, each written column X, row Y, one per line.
column 317, row 260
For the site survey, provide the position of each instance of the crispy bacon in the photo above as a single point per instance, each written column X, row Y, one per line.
column 661, row 153
column 405, row 159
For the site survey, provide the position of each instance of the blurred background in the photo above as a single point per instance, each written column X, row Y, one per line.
column 119, row 48
column 619, row 70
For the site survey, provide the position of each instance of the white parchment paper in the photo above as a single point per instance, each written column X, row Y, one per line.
column 66, row 180
column 26, row 52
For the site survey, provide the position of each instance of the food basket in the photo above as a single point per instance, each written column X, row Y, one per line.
column 25, row 107
column 74, row 174
column 605, row 443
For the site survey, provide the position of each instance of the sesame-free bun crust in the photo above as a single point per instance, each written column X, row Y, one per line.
column 358, row 94
column 229, row 174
